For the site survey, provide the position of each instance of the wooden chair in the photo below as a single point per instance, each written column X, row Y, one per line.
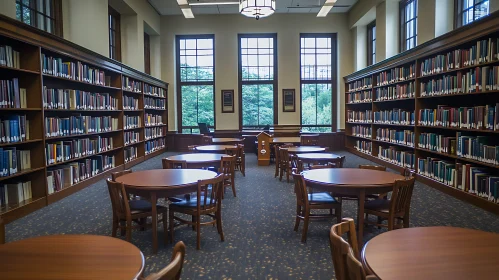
column 227, row 164
column 277, row 161
column 241, row 159
column 395, row 209
column 309, row 140
column 286, row 163
column 117, row 174
column 306, row 202
column 207, row 140
column 174, row 269
column 355, row 269
column 340, row 248
column 173, row 164
column 338, row 162
column 125, row 210
column 208, row 202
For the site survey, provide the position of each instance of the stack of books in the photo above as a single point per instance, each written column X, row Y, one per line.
column 154, row 91
column 360, row 97
column 394, row 116
column 360, row 116
column 78, row 71
column 130, row 122
column 130, row 103
column 396, row 156
column 404, row 137
column 73, row 99
column 362, row 131
column 131, row 153
column 66, row 150
column 438, row 143
column 153, row 132
column 154, row 103
column 131, row 137
column 364, row 83
column 395, row 92
column 363, row 146
column 478, row 117
column 77, row 125
column 397, row 74
column 153, row 119
column 131, row 85
column 154, row 145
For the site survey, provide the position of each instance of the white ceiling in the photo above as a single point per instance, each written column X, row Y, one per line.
column 170, row 7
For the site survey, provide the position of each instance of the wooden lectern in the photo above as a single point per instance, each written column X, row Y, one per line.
column 264, row 140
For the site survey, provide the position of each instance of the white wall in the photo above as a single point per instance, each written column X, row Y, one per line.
column 226, row 27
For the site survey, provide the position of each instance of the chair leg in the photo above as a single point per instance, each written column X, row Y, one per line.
column 337, row 211
column 297, row 221
column 287, row 174
column 198, row 233
column 164, row 216
column 305, row 227
column 390, row 223
column 172, row 226
column 129, row 230
column 219, row 225
column 123, row 228
column 380, row 221
column 233, row 185
column 406, row 220
column 115, row 226
column 193, row 219
column 281, row 173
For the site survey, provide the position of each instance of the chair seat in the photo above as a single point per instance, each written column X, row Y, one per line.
column 142, row 206
column 380, row 205
column 321, row 198
column 191, row 203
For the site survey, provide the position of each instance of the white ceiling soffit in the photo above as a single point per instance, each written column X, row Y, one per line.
column 171, row 7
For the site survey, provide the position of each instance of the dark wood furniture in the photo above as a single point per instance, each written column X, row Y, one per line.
column 2, row 232
column 307, row 201
column 117, row 174
column 340, row 247
column 32, row 43
column 459, row 39
column 394, row 210
column 169, row 163
column 285, row 163
column 71, row 257
column 227, row 165
column 433, row 253
column 199, row 160
column 152, row 184
column 208, row 203
column 372, row 167
column 356, row 270
column 214, row 148
column 352, row 181
column 306, row 149
column 286, row 140
column 230, row 141
column 338, row 162
column 309, row 140
column 308, row 159
column 174, row 269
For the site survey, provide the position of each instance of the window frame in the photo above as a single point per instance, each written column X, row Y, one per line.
column 333, row 80
column 241, row 82
column 179, row 82
column 147, row 53
column 459, row 11
column 371, row 38
column 56, row 6
column 117, row 33
column 403, row 24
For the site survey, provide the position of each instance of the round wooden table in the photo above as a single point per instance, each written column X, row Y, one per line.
column 433, row 253
column 352, row 181
column 282, row 140
column 305, row 149
column 213, row 148
column 163, row 183
column 315, row 158
column 227, row 140
column 70, row 257
column 200, row 160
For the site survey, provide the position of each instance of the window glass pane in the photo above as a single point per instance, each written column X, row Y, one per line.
column 18, row 12
column 481, row 10
column 322, row 43
column 308, row 104
column 197, row 105
column 26, row 15
column 324, row 94
column 258, row 104
column 48, row 8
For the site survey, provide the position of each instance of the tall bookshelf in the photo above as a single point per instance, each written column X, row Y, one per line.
column 399, row 112
column 71, row 122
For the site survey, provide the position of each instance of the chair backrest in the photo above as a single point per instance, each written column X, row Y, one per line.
column 354, row 267
column 232, row 151
column 174, row 269
column 266, row 128
column 174, row 164
column 241, row 149
column 206, row 199
column 340, row 247
column 115, row 175
column 283, row 155
column 401, row 196
column 338, row 162
column 192, row 148
column 309, row 140
column 406, row 172
column 119, row 199
column 227, row 165
column 372, row 167
column 300, row 189
column 207, row 140
column 203, row 128
column 321, row 166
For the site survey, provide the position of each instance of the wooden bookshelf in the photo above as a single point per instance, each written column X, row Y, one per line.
column 361, row 97
column 32, row 45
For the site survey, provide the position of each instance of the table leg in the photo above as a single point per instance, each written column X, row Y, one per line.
column 154, row 201
column 360, row 219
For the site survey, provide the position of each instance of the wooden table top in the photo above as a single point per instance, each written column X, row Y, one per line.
column 226, row 140
column 214, row 148
column 317, row 156
column 160, row 178
column 198, row 157
column 286, row 140
column 306, row 149
column 70, row 257
column 352, row 177
column 433, row 253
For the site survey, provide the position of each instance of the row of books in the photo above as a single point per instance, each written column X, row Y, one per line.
column 11, row 96
column 360, row 116
column 131, row 85
column 66, row 150
column 153, row 119
column 130, row 122
column 75, row 71
column 361, row 84
column 9, row 57
column 395, row 116
column 65, row 176
column 362, row 131
column 76, row 125
column 477, row 148
column 153, row 103
column 364, row 146
column 130, row 103
column 154, row 91
column 15, row 193
column 14, row 128
column 404, row 137
column 73, row 99
column 360, row 97
column 396, row 74
column 396, row 92
column 396, row 156
column 155, row 145
column 131, row 137
column 13, row 160
column 131, row 153
column 478, row 117
column 153, row 132
column 437, row 142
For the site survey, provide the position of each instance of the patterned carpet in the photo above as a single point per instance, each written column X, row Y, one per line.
column 259, row 239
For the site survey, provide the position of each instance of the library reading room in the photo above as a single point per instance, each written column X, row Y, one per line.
column 249, row 139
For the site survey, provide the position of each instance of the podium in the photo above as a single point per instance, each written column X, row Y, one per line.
column 264, row 140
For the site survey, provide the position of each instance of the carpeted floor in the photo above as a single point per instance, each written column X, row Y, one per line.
column 259, row 239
